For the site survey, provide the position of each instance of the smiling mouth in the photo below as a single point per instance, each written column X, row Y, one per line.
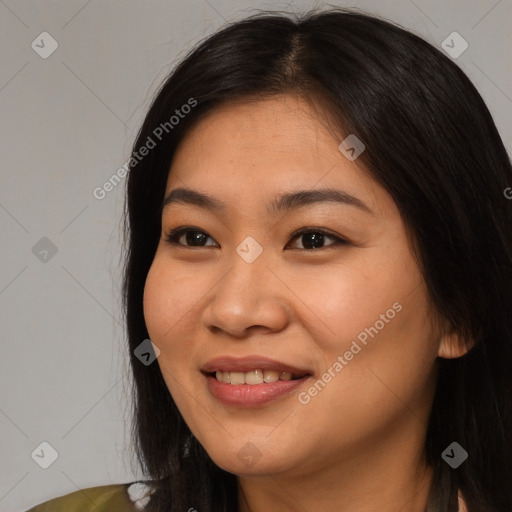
column 254, row 377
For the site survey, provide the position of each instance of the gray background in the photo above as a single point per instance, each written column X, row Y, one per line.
column 67, row 123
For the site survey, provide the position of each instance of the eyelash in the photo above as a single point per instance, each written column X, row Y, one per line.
column 172, row 237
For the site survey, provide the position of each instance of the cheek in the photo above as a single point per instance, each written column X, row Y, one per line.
column 168, row 299
column 375, row 312
column 344, row 299
column 155, row 303
column 162, row 312
column 388, row 356
column 171, row 305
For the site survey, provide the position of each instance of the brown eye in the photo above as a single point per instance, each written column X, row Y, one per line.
column 187, row 237
column 314, row 239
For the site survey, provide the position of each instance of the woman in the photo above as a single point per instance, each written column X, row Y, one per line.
column 319, row 249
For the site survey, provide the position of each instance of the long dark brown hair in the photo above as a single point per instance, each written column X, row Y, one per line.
column 432, row 144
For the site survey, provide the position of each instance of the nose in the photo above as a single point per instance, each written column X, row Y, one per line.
column 249, row 297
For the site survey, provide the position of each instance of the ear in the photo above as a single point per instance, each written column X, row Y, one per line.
column 452, row 344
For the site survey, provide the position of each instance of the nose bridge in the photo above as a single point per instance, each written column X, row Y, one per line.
column 249, row 250
column 248, row 294
column 248, row 272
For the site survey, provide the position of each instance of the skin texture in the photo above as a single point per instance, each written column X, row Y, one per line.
column 358, row 444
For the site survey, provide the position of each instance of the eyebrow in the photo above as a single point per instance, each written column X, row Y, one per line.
column 289, row 201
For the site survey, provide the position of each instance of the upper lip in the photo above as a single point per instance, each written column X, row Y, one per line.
column 248, row 363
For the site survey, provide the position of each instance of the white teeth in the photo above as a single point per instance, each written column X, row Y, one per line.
column 270, row 376
column 237, row 378
column 252, row 377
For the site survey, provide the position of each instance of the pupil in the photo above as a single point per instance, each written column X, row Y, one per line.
column 194, row 236
column 315, row 240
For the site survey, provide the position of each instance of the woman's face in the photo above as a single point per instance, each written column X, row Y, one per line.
column 352, row 315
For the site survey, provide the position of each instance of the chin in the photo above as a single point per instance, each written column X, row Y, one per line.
column 249, row 460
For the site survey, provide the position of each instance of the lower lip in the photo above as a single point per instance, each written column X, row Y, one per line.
column 247, row 395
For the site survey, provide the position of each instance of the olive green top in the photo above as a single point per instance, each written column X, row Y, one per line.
column 129, row 497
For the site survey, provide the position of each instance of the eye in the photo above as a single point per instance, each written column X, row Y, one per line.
column 193, row 236
column 312, row 238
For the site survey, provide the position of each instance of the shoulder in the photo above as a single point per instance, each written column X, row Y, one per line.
column 128, row 497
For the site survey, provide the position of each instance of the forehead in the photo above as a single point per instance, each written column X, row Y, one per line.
column 252, row 150
column 276, row 125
